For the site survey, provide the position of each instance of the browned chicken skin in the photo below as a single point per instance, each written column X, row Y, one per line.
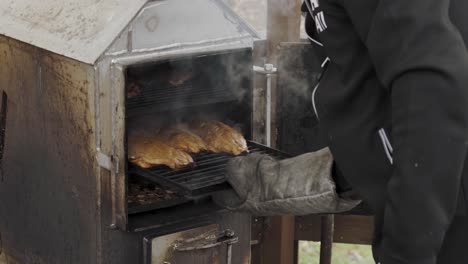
column 184, row 140
column 220, row 137
column 151, row 151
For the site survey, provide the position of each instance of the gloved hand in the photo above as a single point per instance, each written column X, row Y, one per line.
column 264, row 186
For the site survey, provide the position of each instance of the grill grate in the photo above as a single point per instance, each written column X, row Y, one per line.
column 208, row 175
column 167, row 97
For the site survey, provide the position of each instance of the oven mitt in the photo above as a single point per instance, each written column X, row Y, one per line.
column 264, row 186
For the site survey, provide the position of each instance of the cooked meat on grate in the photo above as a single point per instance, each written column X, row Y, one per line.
column 139, row 193
column 133, row 89
column 184, row 140
column 220, row 137
column 151, row 151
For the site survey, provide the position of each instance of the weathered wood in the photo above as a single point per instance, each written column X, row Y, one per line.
column 283, row 24
column 278, row 241
column 326, row 238
column 350, row 229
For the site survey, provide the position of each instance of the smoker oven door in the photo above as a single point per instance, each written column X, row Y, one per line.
column 177, row 92
column 206, row 244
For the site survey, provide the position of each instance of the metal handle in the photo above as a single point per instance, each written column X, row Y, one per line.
column 227, row 237
column 268, row 70
column 234, row 239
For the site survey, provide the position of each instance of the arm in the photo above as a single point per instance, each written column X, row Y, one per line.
column 421, row 58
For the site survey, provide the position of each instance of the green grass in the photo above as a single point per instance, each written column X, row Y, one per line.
column 309, row 253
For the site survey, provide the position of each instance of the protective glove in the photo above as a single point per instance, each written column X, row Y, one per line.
column 264, row 186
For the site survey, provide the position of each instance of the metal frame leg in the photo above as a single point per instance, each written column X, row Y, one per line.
column 326, row 240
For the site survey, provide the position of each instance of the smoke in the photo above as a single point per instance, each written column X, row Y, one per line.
column 253, row 11
column 285, row 7
column 237, row 78
column 180, row 91
column 298, row 73
column 299, row 70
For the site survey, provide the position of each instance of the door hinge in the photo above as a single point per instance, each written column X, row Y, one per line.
column 104, row 160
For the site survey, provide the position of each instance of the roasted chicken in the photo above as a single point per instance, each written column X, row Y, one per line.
column 151, row 151
column 220, row 137
column 184, row 140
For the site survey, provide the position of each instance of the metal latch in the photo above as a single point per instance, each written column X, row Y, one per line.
column 268, row 70
column 103, row 160
column 226, row 237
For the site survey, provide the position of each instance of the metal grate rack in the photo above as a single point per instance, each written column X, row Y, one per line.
column 161, row 97
column 206, row 176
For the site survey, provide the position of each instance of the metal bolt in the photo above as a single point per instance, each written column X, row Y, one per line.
column 229, row 233
column 269, row 67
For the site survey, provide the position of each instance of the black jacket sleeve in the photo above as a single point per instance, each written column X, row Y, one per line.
column 420, row 56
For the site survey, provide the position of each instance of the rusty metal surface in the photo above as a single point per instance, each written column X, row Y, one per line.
column 64, row 117
column 208, row 243
column 48, row 193
column 81, row 30
column 165, row 248
column 241, row 224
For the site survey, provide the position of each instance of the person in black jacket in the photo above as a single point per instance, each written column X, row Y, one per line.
column 393, row 99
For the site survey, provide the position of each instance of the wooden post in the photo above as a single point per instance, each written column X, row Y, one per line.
column 283, row 25
column 278, row 241
column 326, row 239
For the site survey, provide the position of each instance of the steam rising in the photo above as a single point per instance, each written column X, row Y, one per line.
column 298, row 74
column 285, row 7
column 178, row 92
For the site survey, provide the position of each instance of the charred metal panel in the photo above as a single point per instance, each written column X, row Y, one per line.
column 48, row 194
column 299, row 68
column 114, row 246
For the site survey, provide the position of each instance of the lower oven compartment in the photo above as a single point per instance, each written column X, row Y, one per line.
column 178, row 92
column 205, row 244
